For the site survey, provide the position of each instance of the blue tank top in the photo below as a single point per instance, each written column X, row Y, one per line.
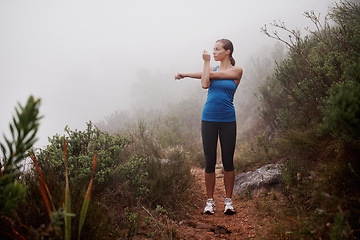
column 219, row 106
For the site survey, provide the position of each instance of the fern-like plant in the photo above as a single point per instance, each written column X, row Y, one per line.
column 23, row 131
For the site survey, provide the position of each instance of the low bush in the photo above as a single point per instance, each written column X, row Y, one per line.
column 256, row 153
column 81, row 146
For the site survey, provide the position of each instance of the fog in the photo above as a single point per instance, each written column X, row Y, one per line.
column 87, row 59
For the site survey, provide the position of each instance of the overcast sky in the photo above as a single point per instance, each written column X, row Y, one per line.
column 82, row 57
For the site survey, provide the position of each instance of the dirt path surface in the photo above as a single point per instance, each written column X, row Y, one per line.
column 247, row 223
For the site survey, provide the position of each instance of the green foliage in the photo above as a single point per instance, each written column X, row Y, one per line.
column 298, row 184
column 339, row 229
column 73, row 179
column 293, row 95
column 342, row 111
column 11, row 194
column 159, row 175
column 81, row 147
column 342, row 106
column 132, row 223
column 133, row 172
column 67, row 200
column 86, row 202
column 169, row 180
column 170, row 135
column 23, row 131
column 177, row 125
column 254, row 154
column 311, row 106
column 65, row 211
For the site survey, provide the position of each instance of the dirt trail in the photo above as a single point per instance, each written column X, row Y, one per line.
column 245, row 224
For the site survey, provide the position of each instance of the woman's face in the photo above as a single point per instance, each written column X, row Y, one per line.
column 219, row 51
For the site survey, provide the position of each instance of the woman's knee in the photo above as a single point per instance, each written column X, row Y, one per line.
column 210, row 166
column 228, row 166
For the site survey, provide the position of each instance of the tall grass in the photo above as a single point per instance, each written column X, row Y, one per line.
column 45, row 193
column 67, row 202
column 86, row 202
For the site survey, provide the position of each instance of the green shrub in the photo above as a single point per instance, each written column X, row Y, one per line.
column 169, row 180
column 11, row 194
column 160, row 175
column 134, row 174
column 129, row 174
column 81, row 146
column 255, row 153
column 317, row 88
column 342, row 111
column 164, row 171
column 131, row 223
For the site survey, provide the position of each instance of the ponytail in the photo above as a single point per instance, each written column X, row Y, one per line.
column 232, row 61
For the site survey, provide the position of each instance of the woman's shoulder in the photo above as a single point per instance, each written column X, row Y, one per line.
column 236, row 68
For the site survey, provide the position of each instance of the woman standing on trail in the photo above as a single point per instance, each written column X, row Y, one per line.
column 218, row 118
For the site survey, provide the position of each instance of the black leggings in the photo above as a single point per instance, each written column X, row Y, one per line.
column 227, row 133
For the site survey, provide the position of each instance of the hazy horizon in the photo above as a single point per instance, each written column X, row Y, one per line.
column 87, row 59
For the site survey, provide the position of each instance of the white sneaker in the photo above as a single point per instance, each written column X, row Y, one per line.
column 210, row 206
column 229, row 208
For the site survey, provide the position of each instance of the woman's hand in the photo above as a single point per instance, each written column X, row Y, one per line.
column 179, row 76
column 206, row 56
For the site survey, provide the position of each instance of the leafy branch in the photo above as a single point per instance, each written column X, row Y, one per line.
column 23, row 131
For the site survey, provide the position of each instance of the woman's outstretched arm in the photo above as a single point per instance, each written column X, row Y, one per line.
column 179, row 76
column 196, row 75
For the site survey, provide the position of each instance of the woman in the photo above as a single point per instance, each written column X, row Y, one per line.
column 218, row 118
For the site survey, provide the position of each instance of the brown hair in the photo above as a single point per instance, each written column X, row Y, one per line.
column 228, row 46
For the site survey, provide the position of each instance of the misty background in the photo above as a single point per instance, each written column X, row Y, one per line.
column 89, row 59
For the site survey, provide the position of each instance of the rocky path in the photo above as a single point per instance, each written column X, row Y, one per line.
column 247, row 223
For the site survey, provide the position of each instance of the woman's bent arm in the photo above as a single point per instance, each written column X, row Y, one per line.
column 234, row 73
column 205, row 76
